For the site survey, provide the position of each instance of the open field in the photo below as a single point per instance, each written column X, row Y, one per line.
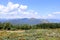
column 32, row 34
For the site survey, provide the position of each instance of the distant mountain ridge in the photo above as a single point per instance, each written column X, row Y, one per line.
column 30, row 21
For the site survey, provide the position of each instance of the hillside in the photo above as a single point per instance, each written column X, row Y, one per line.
column 30, row 21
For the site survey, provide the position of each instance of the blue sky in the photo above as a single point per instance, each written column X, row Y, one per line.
column 45, row 9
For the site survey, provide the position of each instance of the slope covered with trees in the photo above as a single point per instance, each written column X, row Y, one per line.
column 9, row 26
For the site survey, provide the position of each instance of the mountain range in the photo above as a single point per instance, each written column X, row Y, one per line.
column 30, row 21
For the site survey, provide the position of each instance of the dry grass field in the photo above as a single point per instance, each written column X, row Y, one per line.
column 32, row 34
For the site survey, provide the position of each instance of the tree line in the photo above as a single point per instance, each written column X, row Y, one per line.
column 9, row 26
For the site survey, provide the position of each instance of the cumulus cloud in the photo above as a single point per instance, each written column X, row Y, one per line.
column 12, row 6
column 12, row 10
column 23, row 7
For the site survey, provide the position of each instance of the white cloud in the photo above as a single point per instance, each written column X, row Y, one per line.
column 56, row 12
column 50, row 15
column 12, row 10
column 23, row 7
column 53, row 15
column 12, row 6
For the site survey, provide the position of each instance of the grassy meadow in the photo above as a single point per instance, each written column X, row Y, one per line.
column 32, row 34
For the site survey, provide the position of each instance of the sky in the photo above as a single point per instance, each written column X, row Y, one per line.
column 40, row 9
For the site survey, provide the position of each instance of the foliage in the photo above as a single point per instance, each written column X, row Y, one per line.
column 48, row 25
column 9, row 26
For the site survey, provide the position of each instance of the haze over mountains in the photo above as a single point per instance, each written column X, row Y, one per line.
column 30, row 21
